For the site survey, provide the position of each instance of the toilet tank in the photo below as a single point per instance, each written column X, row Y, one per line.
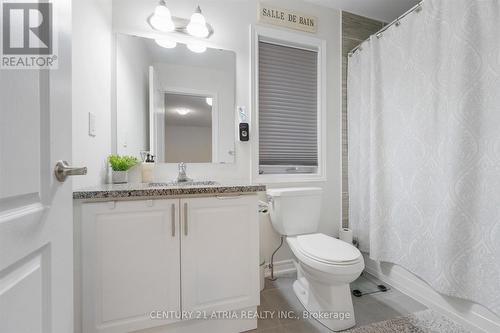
column 295, row 211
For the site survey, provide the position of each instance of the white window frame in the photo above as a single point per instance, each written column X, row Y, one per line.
column 293, row 40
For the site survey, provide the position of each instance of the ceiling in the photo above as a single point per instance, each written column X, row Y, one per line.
column 382, row 10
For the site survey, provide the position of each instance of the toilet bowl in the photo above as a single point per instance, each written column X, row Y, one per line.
column 323, row 278
column 325, row 265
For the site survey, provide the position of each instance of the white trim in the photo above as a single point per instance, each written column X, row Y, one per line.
column 415, row 288
column 37, row 209
column 155, row 146
column 281, row 268
column 114, row 96
column 298, row 40
column 287, row 178
column 341, row 124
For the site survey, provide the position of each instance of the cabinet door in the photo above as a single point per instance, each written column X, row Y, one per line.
column 130, row 264
column 220, row 253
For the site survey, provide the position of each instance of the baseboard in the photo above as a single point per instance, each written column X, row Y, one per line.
column 281, row 268
column 413, row 287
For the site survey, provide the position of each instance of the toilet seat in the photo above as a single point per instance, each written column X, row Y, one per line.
column 328, row 267
column 328, row 250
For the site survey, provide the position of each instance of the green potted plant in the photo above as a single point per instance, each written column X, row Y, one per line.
column 120, row 165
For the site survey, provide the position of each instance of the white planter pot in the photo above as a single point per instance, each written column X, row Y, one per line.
column 119, row 177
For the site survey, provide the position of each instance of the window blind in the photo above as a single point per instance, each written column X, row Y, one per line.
column 288, row 106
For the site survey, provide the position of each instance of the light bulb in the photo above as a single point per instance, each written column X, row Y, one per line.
column 197, row 26
column 166, row 43
column 209, row 101
column 198, row 18
column 162, row 11
column 162, row 19
column 196, row 47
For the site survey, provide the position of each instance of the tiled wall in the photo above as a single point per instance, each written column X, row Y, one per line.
column 355, row 29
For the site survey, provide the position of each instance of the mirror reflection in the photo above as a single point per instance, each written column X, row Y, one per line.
column 177, row 104
column 188, row 128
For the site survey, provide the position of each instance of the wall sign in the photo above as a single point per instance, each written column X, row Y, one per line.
column 287, row 18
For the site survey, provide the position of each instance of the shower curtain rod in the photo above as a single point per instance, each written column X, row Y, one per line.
column 417, row 8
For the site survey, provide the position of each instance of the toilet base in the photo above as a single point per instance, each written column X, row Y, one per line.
column 331, row 305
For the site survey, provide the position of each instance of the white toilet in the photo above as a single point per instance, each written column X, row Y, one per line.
column 325, row 265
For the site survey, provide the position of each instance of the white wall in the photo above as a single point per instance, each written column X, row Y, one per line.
column 231, row 21
column 92, row 45
column 132, row 95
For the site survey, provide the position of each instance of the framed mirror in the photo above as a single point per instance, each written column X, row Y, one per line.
column 174, row 103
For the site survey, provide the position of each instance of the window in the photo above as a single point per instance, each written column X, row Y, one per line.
column 289, row 104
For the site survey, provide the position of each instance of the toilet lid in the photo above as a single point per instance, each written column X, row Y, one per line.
column 329, row 249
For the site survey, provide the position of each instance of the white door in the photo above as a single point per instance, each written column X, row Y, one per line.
column 130, row 264
column 36, row 239
column 220, row 253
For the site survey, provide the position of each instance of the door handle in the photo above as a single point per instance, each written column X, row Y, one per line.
column 173, row 220
column 63, row 170
column 185, row 219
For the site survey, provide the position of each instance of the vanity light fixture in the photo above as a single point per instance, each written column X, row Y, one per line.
column 161, row 19
column 197, row 26
column 196, row 47
column 166, row 43
column 209, row 100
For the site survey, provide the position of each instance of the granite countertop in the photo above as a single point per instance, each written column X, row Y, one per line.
column 117, row 191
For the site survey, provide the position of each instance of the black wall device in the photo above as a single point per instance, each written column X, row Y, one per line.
column 244, row 132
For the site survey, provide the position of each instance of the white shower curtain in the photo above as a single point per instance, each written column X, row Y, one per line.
column 424, row 147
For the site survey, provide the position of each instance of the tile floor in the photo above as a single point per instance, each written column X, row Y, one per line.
column 279, row 296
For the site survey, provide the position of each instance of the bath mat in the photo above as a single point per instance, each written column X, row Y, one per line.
column 426, row 321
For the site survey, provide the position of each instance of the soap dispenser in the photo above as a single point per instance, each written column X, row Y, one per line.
column 147, row 168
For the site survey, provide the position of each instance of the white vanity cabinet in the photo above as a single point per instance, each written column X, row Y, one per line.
column 130, row 255
column 183, row 254
column 219, row 253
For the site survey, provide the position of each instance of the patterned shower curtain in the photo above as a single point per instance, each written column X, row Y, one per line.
column 424, row 147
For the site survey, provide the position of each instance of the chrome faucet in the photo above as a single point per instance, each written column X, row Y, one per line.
column 182, row 177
